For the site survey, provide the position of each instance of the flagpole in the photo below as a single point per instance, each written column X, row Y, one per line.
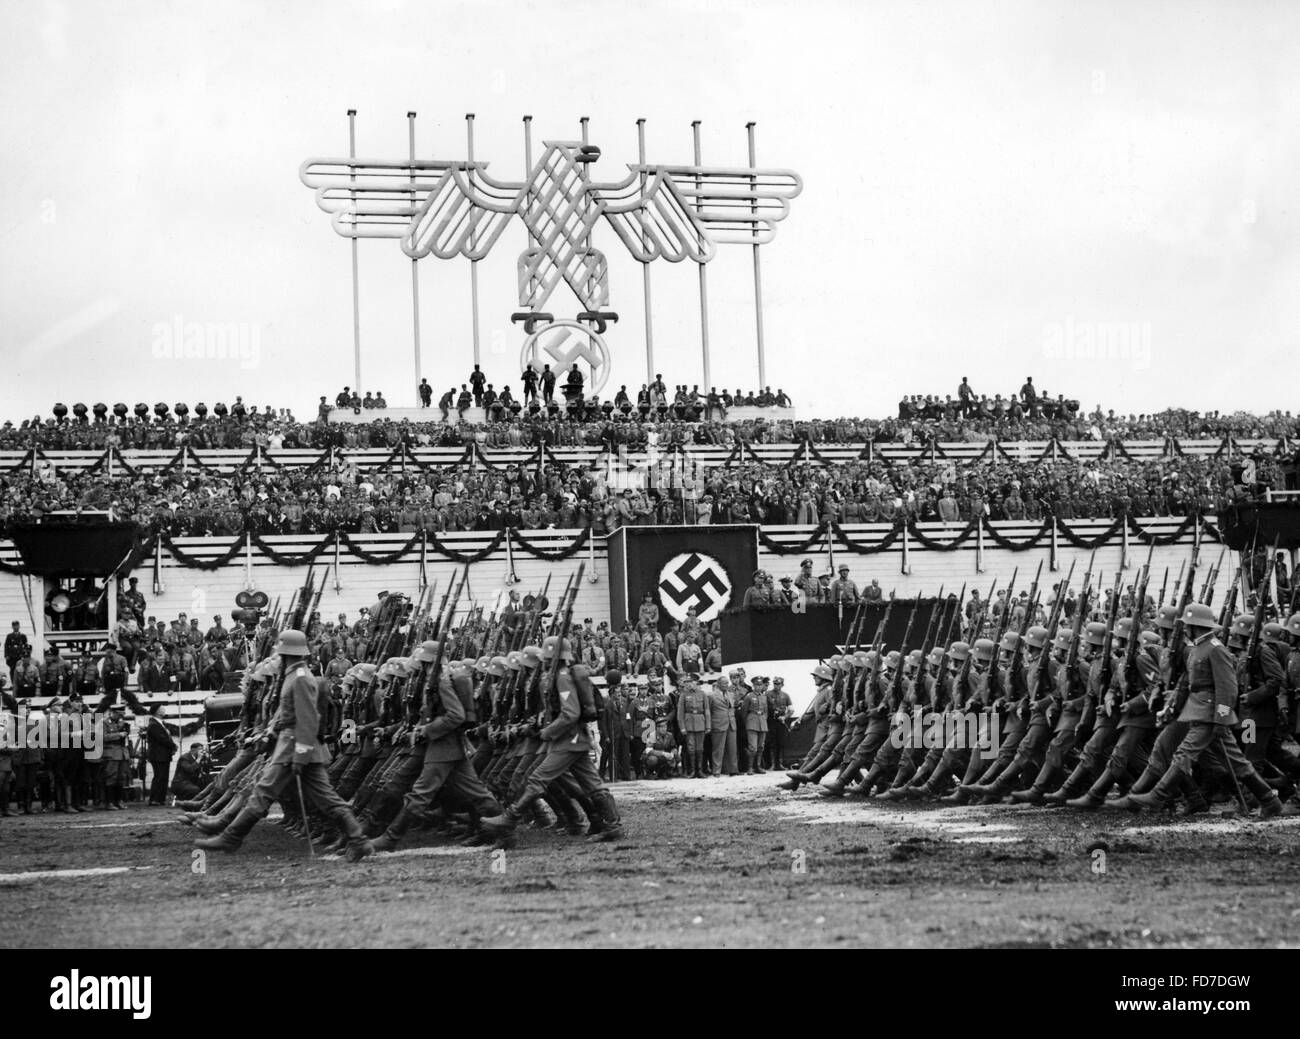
column 473, row 264
column 645, row 264
column 356, row 292
column 415, row 268
column 758, row 272
column 704, row 280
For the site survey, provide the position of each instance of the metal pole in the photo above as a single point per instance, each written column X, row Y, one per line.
column 586, row 238
column 758, row 273
column 645, row 266
column 473, row 264
column 704, row 281
column 356, row 292
column 415, row 278
column 528, row 172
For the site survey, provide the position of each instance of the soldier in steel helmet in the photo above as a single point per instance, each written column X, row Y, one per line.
column 1207, row 700
column 299, row 756
column 568, row 699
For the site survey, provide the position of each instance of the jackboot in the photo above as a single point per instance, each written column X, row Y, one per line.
column 389, row 839
column 1095, row 796
column 233, row 835
column 508, row 820
column 1032, row 795
column 1078, row 781
column 1156, row 798
column 613, row 824
column 358, row 846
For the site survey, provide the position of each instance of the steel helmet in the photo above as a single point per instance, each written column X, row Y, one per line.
column 1274, row 632
column 959, row 651
column 468, row 662
column 913, row 660
column 530, row 656
column 1124, row 628
column 983, row 650
column 891, row 660
column 861, row 659
column 1036, row 637
column 266, row 669
column 845, row 663
column 1009, row 641
column 871, row 657
column 549, row 645
column 1198, row 615
column 291, row 643
column 514, row 660
column 366, row 672
column 1095, row 634
column 428, row 652
column 481, row 664
column 1242, row 626
column 1063, row 641
column 936, row 656
column 1149, row 638
column 497, row 666
column 823, row 673
column 1293, row 624
column 1166, row 618
column 834, row 659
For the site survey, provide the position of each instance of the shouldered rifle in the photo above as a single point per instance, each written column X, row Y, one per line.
column 946, row 641
column 1230, row 603
column 935, row 618
column 1178, row 637
column 1164, row 587
column 1108, row 640
column 1178, row 583
column 1005, row 618
column 1139, row 601
column 896, row 686
column 1207, row 590
column 562, row 632
column 877, row 648
column 1261, row 611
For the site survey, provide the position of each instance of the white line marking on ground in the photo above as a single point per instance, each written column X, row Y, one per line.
column 380, row 856
column 67, row 874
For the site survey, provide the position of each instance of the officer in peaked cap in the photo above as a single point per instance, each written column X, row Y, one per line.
column 299, row 756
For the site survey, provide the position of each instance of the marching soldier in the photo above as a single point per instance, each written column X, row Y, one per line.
column 298, row 758
column 449, row 710
column 567, row 752
column 1206, row 700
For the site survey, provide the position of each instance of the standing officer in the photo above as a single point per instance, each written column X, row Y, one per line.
column 1206, row 700
column 753, row 707
column 15, row 644
column 779, row 711
column 620, row 725
column 694, row 719
column 162, row 748
column 722, row 727
column 26, row 675
column 116, row 759
column 843, row 590
column 298, row 758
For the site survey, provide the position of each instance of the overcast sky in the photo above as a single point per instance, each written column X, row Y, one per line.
column 991, row 190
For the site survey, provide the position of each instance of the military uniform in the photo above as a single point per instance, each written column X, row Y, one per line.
column 1208, row 693
column 753, row 707
column 298, row 758
column 694, row 720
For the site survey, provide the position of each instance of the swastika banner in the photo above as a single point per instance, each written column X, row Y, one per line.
column 679, row 569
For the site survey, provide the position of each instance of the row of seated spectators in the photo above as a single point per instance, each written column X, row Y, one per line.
column 464, row 497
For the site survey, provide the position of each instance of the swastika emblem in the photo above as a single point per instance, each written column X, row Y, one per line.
column 563, row 344
column 694, row 579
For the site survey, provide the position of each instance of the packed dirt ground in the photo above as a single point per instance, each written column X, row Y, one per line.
column 714, row 862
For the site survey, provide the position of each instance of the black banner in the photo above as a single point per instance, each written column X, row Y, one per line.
column 814, row 634
column 709, row 568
